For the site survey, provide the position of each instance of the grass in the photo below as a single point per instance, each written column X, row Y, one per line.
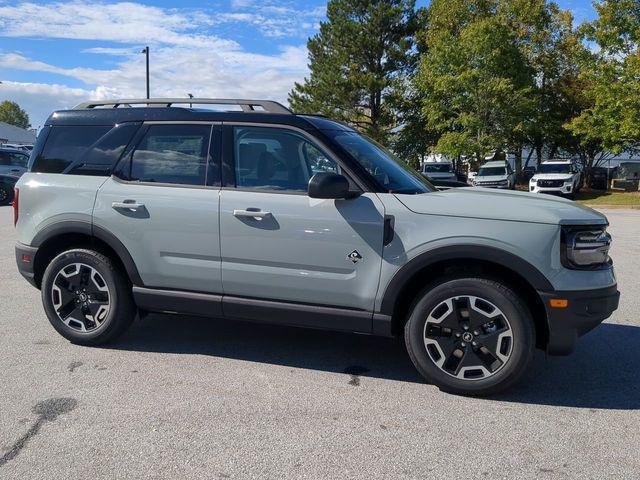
column 598, row 197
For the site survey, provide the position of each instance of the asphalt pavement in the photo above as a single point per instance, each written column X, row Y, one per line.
column 182, row 397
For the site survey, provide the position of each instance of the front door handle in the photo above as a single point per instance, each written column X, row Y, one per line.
column 130, row 205
column 250, row 213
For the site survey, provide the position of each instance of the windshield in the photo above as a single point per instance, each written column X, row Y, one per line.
column 491, row 171
column 437, row 168
column 555, row 168
column 392, row 174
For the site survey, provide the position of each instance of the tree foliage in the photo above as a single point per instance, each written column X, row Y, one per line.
column 11, row 113
column 361, row 48
column 473, row 77
column 610, row 75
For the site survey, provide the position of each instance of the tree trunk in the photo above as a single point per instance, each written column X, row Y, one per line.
column 518, row 159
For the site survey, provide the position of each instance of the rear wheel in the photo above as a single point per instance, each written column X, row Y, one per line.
column 470, row 336
column 87, row 300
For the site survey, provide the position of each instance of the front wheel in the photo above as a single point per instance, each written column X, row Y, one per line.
column 470, row 336
column 86, row 298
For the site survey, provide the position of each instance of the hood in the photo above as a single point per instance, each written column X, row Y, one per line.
column 502, row 205
column 490, row 178
column 552, row 176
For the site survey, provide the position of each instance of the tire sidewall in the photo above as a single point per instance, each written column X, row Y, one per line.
column 503, row 298
column 105, row 270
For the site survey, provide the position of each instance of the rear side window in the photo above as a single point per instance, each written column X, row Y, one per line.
column 100, row 158
column 65, row 145
column 176, row 154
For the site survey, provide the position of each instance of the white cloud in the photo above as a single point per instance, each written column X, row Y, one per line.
column 185, row 56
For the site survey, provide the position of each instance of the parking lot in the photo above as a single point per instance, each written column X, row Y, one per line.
column 197, row 398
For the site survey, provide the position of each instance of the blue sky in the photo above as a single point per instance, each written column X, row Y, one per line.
column 55, row 54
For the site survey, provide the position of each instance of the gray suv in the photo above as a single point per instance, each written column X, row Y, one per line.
column 259, row 214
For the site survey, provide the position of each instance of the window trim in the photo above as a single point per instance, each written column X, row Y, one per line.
column 215, row 141
column 229, row 182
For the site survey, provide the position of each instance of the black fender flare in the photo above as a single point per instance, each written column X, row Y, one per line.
column 91, row 230
column 483, row 253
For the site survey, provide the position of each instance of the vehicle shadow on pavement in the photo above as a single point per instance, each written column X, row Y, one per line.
column 603, row 372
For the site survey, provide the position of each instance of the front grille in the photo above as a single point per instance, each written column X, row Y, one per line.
column 550, row 183
column 489, row 184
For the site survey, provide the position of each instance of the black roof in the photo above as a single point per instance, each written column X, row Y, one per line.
column 111, row 116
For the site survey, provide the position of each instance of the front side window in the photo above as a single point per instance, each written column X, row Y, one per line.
column 277, row 159
column 391, row 174
column 176, row 154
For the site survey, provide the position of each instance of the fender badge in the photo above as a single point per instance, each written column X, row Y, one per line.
column 354, row 256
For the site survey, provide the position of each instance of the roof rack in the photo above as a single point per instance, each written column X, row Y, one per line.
column 267, row 106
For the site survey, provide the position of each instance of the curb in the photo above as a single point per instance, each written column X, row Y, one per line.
column 612, row 207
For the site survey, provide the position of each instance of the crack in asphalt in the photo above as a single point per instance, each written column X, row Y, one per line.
column 47, row 411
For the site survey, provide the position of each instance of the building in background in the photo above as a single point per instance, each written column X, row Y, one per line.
column 12, row 135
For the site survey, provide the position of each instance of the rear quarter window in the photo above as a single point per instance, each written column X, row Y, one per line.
column 64, row 145
column 82, row 150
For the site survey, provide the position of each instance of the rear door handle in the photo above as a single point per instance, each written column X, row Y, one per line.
column 131, row 205
column 260, row 214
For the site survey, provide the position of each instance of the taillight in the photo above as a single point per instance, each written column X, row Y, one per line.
column 16, row 202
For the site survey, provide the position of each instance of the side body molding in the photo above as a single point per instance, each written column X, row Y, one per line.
column 461, row 252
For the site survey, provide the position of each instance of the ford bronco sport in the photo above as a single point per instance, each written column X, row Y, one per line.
column 260, row 214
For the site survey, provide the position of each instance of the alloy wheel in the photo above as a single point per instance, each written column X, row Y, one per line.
column 468, row 337
column 80, row 297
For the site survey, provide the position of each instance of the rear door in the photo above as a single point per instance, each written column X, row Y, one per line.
column 162, row 204
column 279, row 244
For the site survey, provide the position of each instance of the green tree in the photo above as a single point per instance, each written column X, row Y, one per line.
column 552, row 49
column 474, row 81
column 610, row 121
column 362, row 47
column 11, row 113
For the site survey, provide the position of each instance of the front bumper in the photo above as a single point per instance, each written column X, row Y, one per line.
column 25, row 257
column 563, row 190
column 585, row 310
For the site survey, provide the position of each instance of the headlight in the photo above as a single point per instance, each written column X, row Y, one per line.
column 585, row 247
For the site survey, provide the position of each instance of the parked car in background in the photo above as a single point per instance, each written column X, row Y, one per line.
column 447, row 184
column 13, row 161
column 439, row 171
column 7, row 184
column 527, row 174
column 560, row 177
column 495, row 174
column 600, row 178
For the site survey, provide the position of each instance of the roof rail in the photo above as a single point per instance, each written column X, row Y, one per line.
column 267, row 106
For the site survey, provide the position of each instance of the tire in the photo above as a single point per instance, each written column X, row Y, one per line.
column 496, row 318
column 6, row 194
column 101, row 314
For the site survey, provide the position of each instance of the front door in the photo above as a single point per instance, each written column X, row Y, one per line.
column 163, row 206
column 279, row 244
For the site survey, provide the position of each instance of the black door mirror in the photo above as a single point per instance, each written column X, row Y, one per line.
column 328, row 185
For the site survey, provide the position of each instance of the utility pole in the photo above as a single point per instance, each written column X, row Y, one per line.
column 145, row 50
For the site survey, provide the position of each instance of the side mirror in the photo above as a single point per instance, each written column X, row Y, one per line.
column 329, row 185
